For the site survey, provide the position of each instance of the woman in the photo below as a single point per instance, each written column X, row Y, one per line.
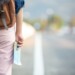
column 7, row 39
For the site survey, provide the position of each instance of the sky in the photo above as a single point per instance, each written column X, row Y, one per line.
column 42, row 8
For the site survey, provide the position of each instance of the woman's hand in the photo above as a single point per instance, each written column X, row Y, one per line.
column 19, row 22
column 19, row 39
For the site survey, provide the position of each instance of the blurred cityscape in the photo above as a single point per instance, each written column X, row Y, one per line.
column 49, row 32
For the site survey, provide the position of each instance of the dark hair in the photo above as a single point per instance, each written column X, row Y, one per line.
column 4, row 1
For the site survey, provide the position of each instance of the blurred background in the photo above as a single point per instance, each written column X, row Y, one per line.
column 49, row 32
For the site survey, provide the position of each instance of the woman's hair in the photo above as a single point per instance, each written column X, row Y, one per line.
column 3, row 1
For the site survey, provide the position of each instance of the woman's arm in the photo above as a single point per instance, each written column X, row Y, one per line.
column 19, row 22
